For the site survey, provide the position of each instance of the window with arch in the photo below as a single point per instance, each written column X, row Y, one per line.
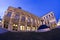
column 29, row 19
column 51, row 14
column 23, row 18
column 9, row 14
column 17, row 16
column 44, row 17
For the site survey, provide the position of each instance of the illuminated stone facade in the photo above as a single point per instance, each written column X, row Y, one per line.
column 50, row 20
column 16, row 19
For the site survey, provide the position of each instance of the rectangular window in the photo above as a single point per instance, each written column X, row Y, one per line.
column 22, row 27
column 33, row 28
column 28, row 28
column 15, row 27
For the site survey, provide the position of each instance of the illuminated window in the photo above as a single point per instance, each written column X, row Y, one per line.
column 28, row 28
column 9, row 14
column 33, row 28
column 15, row 27
column 22, row 27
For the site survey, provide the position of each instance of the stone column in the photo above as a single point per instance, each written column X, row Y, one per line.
column 26, row 24
column 10, row 23
column 31, row 24
column 19, row 23
column 36, row 24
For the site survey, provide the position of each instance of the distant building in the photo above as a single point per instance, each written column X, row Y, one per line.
column 0, row 22
column 58, row 24
column 50, row 20
column 16, row 19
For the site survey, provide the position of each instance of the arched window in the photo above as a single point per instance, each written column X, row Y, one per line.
column 29, row 20
column 51, row 14
column 9, row 14
column 44, row 17
column 17, row 16
column 23, row 19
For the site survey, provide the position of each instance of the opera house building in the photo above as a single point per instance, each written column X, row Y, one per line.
column 16, row 19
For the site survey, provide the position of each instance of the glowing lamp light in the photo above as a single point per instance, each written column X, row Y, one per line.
column 33, row 29
column 21, row 27
column 15, row 25
column 28, row 28
column 58, row 24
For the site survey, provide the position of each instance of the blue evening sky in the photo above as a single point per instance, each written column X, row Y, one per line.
column 36, row 7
